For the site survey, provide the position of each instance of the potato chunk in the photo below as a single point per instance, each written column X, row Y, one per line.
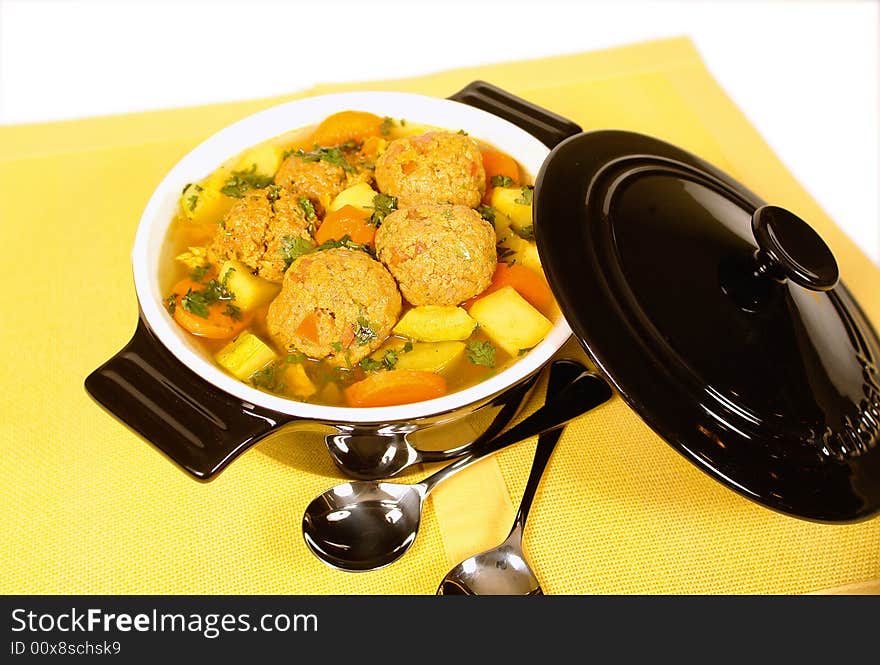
column 510, row 321
column 359, row 195
column 430, row 356
column 435, row 323
column 516, row 204
column 246, row 354
column 204, row 204
column 250, row 291
column 264, row 159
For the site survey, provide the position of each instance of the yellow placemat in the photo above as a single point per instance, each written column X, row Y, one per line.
column 89, row 508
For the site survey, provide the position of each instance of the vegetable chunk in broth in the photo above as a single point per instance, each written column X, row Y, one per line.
column 362, row 262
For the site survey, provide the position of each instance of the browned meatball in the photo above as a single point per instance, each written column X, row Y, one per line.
column 260, row 227
column 338, row 304
column 323, row 173
column 439, row 254
column 437, row 167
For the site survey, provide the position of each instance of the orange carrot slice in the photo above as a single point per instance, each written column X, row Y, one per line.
column 345, row 126
column 347, row 221
column 399, row 386
column 218, row 324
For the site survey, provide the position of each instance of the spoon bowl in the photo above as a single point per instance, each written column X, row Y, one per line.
column 364, row 525
column 502, row 570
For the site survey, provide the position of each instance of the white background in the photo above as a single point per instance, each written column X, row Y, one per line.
column 805, row 73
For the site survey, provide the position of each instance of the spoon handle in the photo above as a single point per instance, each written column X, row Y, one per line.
column 562, row 373
column 587, row 391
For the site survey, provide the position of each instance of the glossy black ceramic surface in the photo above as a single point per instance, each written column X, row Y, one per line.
column 717, row 319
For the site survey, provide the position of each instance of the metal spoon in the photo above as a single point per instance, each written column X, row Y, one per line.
column 370, row 454
column 503, row 570
column 364, row 525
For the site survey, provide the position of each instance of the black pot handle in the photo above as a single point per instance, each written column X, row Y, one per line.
column 548, row 127
column 200, row 427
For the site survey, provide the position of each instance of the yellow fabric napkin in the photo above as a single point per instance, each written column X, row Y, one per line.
column 90, row 508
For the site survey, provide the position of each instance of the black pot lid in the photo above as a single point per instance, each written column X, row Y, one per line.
column 719, row 319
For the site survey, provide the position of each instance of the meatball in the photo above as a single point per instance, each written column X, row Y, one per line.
column 338, row 304
column 439, row 254
column 322, row 174
column 437, row 167
column 259, row 229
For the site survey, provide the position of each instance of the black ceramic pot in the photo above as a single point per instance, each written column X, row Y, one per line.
column 720, row 320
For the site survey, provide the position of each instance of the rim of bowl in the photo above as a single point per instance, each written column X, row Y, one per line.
column 276, row 120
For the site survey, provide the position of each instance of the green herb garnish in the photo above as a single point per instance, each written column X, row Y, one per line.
column 198, row 302
column 337, row 347
column 171, row 303
column 526, row 232
column 295, row 358
column 462, row 132
column 232, row 311
column 195, row 303
column 501, row 181
column 334, row 156
column 292, row 247
column 269, row 378
column 388, row 361
column 383, row 206
column 387, row 124
column 198, row 274
column 487, row 213
column 307, row 208
column 525, row 197
column 481, row 353
column 346, row 242
column 241, row 182
column 363, row 332
column 407, row 347
column 505, row 253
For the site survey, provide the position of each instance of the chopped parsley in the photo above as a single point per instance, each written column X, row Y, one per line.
column 462, row 132
column 334, row 156
column 232, row 311
column 269, row 378
column 241, row 182
column 487, row 213
column 292, row 247
column 501, row 181
column 407, row 347
column 383, row 206
column 523, row 352
column 198, row 274
column 481, row 353
column 346, row 242
column 388, row 361
column 307, row 208
column 337, row 347
column 273, row 193
column 387, row 124
column 171, row 303
column 505, row 254
column 363, row 332
column 295, row 358
column 525, row 197
column 526, row 232
column 198, row 302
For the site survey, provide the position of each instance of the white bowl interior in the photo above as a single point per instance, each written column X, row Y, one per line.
column 277, row 120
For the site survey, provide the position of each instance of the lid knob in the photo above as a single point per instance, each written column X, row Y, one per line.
column 790, row 249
